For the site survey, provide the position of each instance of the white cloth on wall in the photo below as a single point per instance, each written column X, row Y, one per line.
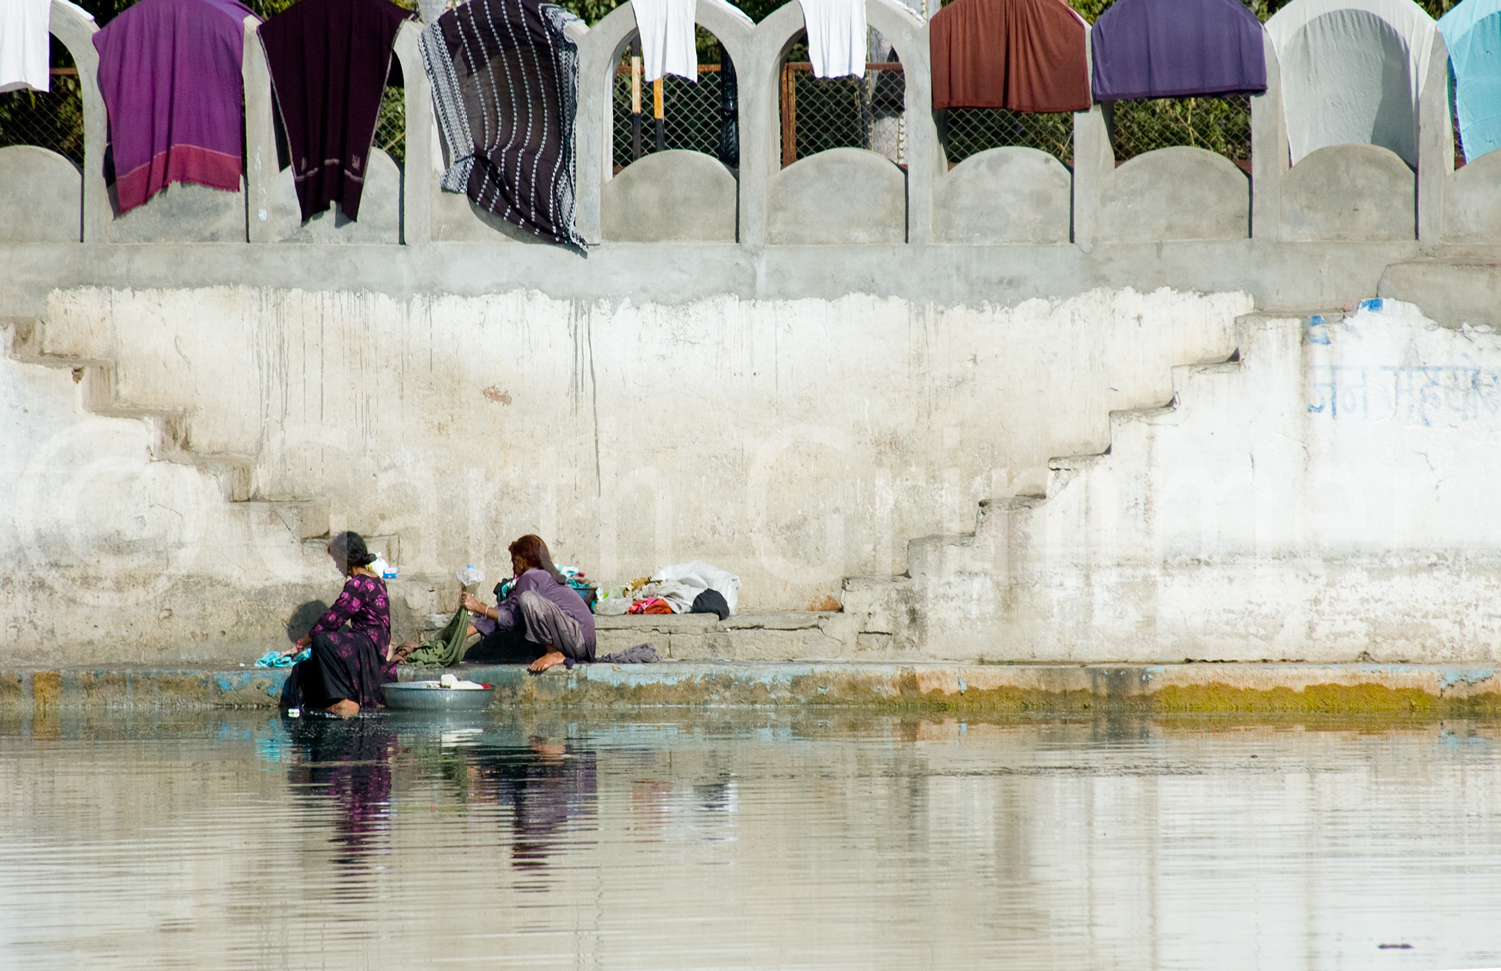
column 667, row 38
column 837, row 36
column 1352, row 71
column 24, row 44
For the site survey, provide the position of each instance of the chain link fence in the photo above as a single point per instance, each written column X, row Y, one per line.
column 867, row 112
column 391, row 126
column 692, row 116
column 1221, row 125
column 969, row 131
column 51, row 120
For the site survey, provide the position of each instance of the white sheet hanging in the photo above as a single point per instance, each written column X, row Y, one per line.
column 837, row 36
column 1352, row 71
column 24, row 43
column 667, row 38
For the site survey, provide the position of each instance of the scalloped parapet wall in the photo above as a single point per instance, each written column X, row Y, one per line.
column 1343, row 193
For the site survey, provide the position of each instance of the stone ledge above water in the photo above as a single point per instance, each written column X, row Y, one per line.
column 918, row 686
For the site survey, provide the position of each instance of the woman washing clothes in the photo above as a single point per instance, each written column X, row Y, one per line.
column 350, row 664
column 541, row 613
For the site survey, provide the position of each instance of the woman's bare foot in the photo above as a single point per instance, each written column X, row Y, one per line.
column 550, row 659
column 344, row 707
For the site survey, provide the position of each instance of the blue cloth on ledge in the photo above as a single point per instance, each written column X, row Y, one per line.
column 276, row 659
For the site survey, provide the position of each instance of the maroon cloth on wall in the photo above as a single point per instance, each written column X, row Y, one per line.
column 329, row 60
column 1026, row 55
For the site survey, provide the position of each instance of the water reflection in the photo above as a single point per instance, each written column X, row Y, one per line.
column 748, row 839
column 345, row 763
column 546, row 787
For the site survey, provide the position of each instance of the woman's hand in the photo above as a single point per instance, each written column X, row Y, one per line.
column 472, row 604
column 297, row 646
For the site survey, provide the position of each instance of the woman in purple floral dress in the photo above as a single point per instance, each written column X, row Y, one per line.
column 349, row 666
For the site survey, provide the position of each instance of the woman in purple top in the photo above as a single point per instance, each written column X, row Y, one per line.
column 348, row 666
column 542, row 612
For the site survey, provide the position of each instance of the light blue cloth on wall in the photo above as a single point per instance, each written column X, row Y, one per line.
column 1472, row 32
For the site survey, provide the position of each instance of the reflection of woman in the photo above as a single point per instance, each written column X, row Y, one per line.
column 346, row 764
column 542, row 612
column 348, row 666
column 547, row 786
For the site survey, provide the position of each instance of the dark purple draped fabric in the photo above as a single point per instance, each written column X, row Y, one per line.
column 1177, row 49
column 329, row 60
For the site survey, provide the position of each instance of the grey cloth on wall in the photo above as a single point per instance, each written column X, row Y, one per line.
column 640, row 654
column 1351, row 73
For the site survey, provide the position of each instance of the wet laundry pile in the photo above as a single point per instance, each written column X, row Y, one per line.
column 683, row 588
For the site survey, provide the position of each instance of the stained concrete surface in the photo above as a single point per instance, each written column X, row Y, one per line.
column 672, row 196
column 1004, row 195
column 1424, row 690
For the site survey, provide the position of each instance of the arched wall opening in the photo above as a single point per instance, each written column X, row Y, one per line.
column 51, row 119
column 675, row 113
column 964, row 132
column 1221, row 125
column 866, row 110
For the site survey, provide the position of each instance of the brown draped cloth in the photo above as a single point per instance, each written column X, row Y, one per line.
column 329, row 60
column 1026, row 55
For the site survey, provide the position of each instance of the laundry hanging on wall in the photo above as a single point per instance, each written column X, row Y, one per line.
column 1472, row 32
column 169, row 71
column 505, row 85
column 329, row 61
column 1177, row 49
column 1026, row 55
column 26, row 42
column 668, row 44
column 837, row 37
column 1351, row 73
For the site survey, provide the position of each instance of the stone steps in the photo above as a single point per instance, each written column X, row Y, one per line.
column 171, row 434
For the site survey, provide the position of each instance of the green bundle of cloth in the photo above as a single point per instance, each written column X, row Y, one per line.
column 445, row 647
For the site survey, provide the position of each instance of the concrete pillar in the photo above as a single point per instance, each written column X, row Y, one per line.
column 599, row 50
column 1094, row 163
column 1435, row 145
column 77, row 34
column 1269, row 151
column 417, row 172
column 261, row 164
column 908, row 34
column 761, row 119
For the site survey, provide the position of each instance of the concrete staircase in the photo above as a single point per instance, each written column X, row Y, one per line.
column 171, row 436
column 955, row 583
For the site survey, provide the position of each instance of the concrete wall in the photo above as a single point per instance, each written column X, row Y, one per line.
column 1326, row 497
column 49, row 209
column 674, row 196
column 1176, row 193
column 789, row 373
column 1004, row 195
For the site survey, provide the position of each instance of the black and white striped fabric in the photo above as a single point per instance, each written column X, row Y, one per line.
column 505, row 82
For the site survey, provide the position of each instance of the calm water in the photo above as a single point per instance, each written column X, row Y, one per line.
column 746, row 840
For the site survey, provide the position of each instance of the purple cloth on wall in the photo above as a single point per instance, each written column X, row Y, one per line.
column 329, row 60
column 169, row 71
column 1177, row 49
